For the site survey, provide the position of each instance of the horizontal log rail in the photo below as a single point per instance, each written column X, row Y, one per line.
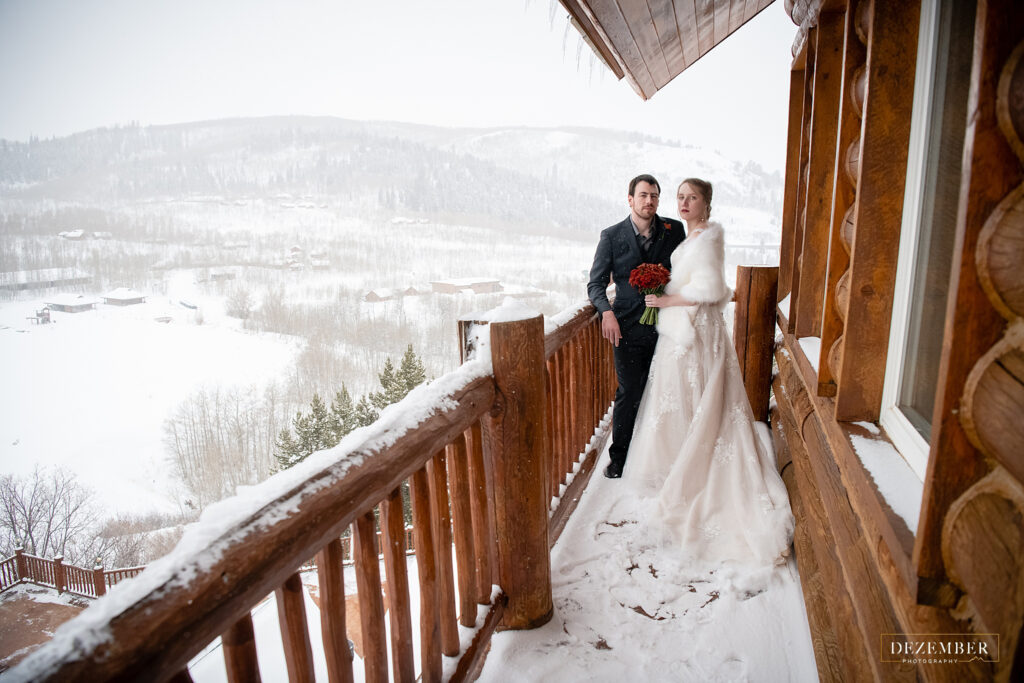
column 90, row 583
column 482, row 449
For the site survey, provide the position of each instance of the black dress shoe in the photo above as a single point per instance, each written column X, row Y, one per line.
column 613, row 471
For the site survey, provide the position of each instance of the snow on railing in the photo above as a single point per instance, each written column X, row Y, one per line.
column 483, row 449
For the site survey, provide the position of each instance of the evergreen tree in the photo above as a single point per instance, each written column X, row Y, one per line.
column 343, row 415
column 365, row 412
column 287, row 449
column 321, row 433
column 313, row 432
column 411, row 372
column 390, row 390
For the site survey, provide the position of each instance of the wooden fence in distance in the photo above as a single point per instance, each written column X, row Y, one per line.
column 90, row 583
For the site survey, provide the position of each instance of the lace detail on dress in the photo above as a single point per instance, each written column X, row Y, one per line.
column 692, row 370
column 667, row 401
column 710, row 530
column 724, row 452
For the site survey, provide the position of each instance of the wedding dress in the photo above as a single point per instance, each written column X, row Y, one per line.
column 708, row 476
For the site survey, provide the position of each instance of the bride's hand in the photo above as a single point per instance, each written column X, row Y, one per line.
column 665, row 300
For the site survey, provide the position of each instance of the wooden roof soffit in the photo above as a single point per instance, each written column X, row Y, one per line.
column 650, row 43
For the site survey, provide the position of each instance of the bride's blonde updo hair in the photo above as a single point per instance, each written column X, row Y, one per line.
column 702, row 186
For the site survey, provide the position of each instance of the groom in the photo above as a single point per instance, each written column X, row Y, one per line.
column 644, row 237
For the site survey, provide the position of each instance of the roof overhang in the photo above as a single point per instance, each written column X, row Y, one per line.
column 650, row 42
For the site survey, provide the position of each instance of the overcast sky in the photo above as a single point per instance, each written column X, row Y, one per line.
column 72, row 65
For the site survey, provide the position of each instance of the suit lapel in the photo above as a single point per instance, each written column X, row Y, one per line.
column 626, row 230
column 654, row 254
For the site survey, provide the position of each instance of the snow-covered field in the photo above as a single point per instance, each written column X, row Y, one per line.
column 90, row 392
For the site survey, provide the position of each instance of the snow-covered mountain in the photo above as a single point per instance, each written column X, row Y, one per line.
column 567, row 182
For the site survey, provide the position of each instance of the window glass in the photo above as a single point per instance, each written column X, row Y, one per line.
column 937, row 221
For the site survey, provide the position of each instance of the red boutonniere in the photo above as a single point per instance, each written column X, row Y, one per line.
column 668, row 226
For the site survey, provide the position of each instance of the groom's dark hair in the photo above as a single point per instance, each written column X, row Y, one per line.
column 644, row 178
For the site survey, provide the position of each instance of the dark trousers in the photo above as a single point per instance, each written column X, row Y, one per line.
column 632, row 365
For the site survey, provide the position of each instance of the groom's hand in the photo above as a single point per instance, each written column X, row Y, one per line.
column 610, row 328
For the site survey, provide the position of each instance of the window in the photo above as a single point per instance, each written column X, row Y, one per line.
column 929, row 225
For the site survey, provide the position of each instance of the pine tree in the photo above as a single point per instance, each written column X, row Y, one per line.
column 287, row 450
column 390, row 389
column 343, row 417
column 411, row 372
column 313, row 432
column 319, row 423
column 365, row 412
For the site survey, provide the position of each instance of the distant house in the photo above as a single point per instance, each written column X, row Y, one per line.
column 375, row 295
column 222, row 276
column 122, row 296
column 475, row 285
column 73, row 234
column 71, row 303
column 43, row 278
column 416, row 290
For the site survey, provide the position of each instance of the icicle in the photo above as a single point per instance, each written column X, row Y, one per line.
column 565, row 36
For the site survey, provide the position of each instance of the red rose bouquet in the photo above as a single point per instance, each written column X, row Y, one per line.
column 649, row 278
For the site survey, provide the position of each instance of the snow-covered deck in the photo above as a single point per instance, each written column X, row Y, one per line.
column 623, row 613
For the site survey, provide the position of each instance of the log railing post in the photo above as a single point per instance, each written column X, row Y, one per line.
column 291, row 613
column 99, row 582
column 515, row 442
column 20, row 566
column 371, row 605
column 430, row 589
column 330, row 572
column 59, row 575
column 239, row 646
column 754, row 332
column 392, row 524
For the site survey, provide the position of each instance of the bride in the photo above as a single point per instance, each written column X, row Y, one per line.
column 695, row 449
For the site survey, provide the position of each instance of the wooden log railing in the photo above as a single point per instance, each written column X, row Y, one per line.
column 496, row 456
column 91, row 583
column 482, row 453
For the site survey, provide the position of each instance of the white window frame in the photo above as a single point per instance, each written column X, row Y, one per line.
column 905, row 437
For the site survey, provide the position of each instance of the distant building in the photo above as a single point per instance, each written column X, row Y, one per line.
column 375, row 295
column 43, row 278
column 416, row 290
column 71, row 303
column 72, row 234
column 122, row 296
column 320, row 264
column 475, row 285
column 222, row 276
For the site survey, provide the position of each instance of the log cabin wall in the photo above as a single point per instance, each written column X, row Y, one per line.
column 867, row 572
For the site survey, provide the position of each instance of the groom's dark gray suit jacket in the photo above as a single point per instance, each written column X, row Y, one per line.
column 617, row 255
